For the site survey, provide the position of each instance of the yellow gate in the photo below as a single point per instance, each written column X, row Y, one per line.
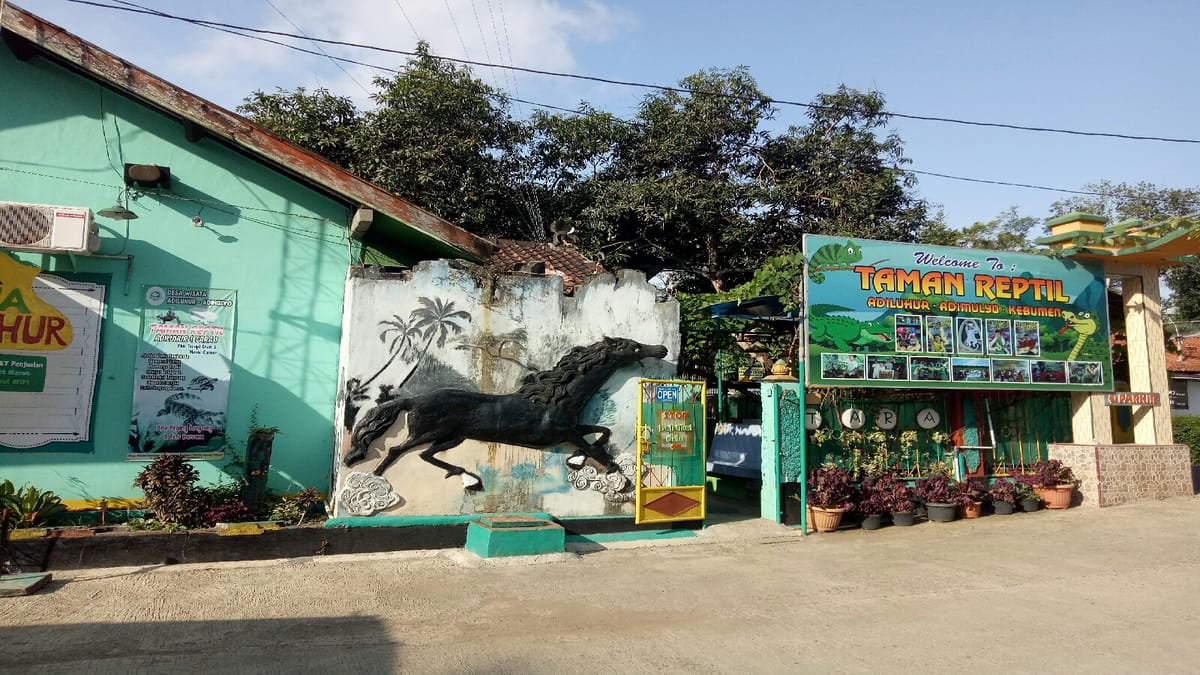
column 671, row 445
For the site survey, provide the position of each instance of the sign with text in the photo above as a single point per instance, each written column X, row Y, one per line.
column 886, row 314
column 1132, row 398
column 49, row 356
column 181, row 378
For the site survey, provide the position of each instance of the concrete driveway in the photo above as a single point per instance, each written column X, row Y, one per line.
column 1086, row 590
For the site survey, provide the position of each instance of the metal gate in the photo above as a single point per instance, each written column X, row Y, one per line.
column 671, row 443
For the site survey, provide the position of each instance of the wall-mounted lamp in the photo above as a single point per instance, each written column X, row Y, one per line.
column 117, row 212
column 148, row 176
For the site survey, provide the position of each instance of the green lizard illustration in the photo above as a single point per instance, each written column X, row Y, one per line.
column 1084, row 324
column 832, row 257
column 843, row 332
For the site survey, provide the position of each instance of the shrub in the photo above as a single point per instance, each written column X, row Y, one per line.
column 1187, row 432
column 293, row 509
column 941, row 490
column 889, row 494
column 229, row 512
column 829, row 487
column 1046, row 473
column 170, row 486
column 29, row 506
column 1003, row 492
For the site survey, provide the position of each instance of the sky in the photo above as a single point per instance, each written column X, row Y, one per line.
column 1101, row 66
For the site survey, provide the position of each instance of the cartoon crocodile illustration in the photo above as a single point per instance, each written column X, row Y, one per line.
column 843, row 332
column 833, row 257
column 1084, row 324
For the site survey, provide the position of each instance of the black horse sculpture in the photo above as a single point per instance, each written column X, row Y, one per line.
column 542, row 413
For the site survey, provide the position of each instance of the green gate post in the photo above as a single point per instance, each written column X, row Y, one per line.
column 782, row 438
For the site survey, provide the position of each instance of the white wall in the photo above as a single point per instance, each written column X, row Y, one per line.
column 492, row 355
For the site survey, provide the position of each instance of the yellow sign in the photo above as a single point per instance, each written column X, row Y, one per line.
column 26, row 322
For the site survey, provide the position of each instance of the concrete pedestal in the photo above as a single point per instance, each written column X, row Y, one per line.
column 497, row 536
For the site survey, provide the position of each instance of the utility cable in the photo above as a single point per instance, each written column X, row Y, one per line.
column 629, row 83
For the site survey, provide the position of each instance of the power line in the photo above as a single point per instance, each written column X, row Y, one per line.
column 640, row 85
column 633, row 123
column 301, row 31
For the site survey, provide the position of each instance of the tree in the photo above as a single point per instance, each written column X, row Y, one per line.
column 438, row 136
column 441, row 138
column 1152, row 204
column 322, row 122
column 680, row 190
column 1007, row 232
column 837, row 175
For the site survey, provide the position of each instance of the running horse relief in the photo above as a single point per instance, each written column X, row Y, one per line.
column 542, row 413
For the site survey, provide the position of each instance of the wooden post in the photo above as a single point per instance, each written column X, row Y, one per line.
column 1091, row 420
column 1147, row 354
column 258, row 465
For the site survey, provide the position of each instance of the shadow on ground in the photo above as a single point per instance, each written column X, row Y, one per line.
column 320, row 644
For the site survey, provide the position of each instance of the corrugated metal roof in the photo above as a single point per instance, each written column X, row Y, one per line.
column 205, row 117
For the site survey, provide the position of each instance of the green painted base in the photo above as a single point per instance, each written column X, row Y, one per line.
column 22, row 584
column 495, row 537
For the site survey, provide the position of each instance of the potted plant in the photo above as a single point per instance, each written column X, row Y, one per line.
column 974, row 492
column 1003, row 496
column 872, row 504
column 1053, row 481
column 942, row 497
column 1026, row 497
column 829, row 496
column 896, row 498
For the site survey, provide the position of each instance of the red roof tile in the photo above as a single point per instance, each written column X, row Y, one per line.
column 564, row 261
column 1186, row 357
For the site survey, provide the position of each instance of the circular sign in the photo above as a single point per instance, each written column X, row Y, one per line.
column 812, row 418
column 886, row 419
column 928, row 418
column 155, row 296
column 854, row 418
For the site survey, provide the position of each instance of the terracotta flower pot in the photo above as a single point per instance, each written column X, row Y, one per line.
column 1057, row 497
column 826, row 520
column 973, row 510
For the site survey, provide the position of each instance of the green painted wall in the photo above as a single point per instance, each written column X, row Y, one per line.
column 62, row 140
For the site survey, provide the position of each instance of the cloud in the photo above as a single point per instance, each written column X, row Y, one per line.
column 540, row 34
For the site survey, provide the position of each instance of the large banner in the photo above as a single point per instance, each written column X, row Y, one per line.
column 181, row 379
column 883, row 314
column 49, row 355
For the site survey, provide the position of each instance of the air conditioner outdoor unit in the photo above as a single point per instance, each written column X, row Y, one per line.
column 48, row 229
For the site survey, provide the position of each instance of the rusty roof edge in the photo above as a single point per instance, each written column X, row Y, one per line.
column 235, row 129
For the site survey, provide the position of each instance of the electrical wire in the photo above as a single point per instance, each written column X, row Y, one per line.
column 137, row 9
column 301, row 31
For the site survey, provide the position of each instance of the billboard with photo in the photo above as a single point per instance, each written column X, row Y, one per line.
column 886, row 314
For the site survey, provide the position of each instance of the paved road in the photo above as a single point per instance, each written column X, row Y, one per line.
column 1112, row 591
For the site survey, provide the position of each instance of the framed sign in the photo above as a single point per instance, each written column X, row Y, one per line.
column 886, row 314
column 49, row 358
column 181, row 378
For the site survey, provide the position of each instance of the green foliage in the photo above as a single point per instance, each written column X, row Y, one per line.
column 293, row 509
column 29, row 506
column 322, row 122
column 693, row 184
column 1187, row 432
column 171, row 492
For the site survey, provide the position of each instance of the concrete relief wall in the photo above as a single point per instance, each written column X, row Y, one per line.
column 452, row 325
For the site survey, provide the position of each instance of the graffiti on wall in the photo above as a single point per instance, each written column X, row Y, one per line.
column 543, row 412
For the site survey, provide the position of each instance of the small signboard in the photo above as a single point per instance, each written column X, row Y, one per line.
column 1132, row 398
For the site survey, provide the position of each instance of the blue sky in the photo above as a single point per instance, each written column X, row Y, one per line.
column 1120, row 67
